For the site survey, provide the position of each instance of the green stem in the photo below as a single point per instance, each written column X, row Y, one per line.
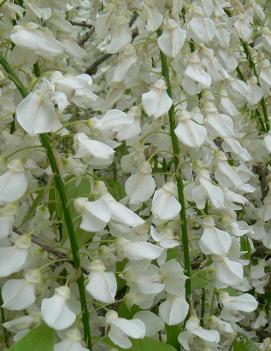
column 254, row 70
column 3, row 320
column 2, row 3
column 202, row 311
column 45, row 141
column 179, row 181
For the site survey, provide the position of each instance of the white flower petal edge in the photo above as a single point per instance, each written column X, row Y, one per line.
column 36, row 114
column 156, row 102
column 55, row 311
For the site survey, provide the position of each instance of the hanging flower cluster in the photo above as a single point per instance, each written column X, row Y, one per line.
column 135, row 203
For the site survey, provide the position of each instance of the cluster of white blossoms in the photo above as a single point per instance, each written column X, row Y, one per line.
column 135, row 188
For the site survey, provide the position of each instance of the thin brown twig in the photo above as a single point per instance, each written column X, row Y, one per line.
column 42, row 244
column 93, row 68
column 82, row 24
column 48, row 248
column 86, row 37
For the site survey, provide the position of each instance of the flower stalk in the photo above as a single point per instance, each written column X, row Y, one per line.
column 179, row 181
column 254, row 70
column 46, row 143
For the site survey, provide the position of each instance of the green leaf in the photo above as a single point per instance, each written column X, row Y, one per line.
column 242, row 343
column 173, row 332
column 148, row 344
column 115, row 188
column 40, row 338
column 173, row 253
column 201, row 279
column 125, row 312
column 29, row 214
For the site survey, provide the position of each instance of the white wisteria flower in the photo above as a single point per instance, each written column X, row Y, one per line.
column 19, row 294
column 121, row 329
column 102, row 285
column 38, row 39
column 188, row 131
column 193, row 328
column 118, row 124
column 95, row 214
column 156, row 102
column 13, row 183
column 71, row 342
column 172, row 39
column 174, row 310
column 95, row 153
column 135, row 171
column 7, row 214
column 77, row 89
column 37, row 114
column 54, row 310
column 213, row 240
column 164, row 203
column 140, row 186
column 244, row 302
column 136, row 250
column 13, row 258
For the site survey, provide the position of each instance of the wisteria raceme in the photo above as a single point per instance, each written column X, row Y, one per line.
column 135, row 204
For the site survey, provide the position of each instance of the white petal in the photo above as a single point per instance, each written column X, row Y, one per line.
column 12, row 260
column 95, row 153
column 192, row 325
column 95, row 214
column 154, row 18
column 69, row 345
column 153, row 324
column 173, row 278
column 36, row 115
column 215, row 242
column 174, row 310
column 267, row 142
column 120, row 35
column 244, row 302
column 172, row 39
column 133, row 328
column 122, row 214
column 191, row 133
column 215, row 194
column 141, row 250
column 56, row 313
column 228, row 272
column 13, row 183
column 119, row 338
column 41, row 42
column 139, row 188
column 102, row 286
column 156, row 102
column 203, row 29
column 17, row 294
column 164, row 205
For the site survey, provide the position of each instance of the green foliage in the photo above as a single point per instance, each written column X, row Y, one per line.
column 29, row 214
column 40, row 338
column 201, row 279
column 149, row 344
column 173, row 253
column 173, row 332
column 242, row 343
column 115, row 188
column 125, row 312
column 146, row 344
